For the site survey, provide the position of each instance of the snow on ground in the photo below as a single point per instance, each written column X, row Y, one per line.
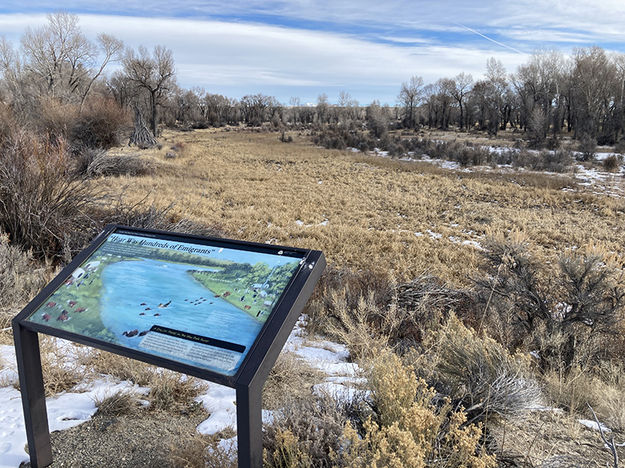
column 299, row 222
column 65, row 410
column 70, row 409
column 593, row 425
column 600, row 182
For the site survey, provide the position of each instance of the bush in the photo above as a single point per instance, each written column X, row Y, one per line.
column 95, row 162
column 350, row 286
column 305, row 432
column 21, row 278
column 55, row 119
column 554, row 310
column 558, row 160
column 481, row 374
column 409, row 427
column 99, row 125
column 587, row 146
column 149, row 216
column 43, row 208
column 612, row 163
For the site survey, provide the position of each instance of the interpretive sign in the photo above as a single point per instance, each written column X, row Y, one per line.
column 214, row 308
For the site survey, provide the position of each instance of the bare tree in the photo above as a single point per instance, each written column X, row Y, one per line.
column 55, row 60
column 410, row 97
column 461, row 86
column 152, row 73
column 111, row 49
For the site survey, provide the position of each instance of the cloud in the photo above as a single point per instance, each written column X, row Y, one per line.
column 241, row 58
column 304, row 48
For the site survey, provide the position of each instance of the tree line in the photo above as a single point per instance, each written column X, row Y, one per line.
column 57, row 70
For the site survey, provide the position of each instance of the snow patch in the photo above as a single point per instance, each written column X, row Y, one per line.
column 593, row 425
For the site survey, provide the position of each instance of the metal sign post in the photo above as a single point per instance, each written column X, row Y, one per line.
column 228, row 312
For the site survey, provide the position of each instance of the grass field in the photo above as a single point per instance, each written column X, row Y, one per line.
column 373, row 215
column 368, row 212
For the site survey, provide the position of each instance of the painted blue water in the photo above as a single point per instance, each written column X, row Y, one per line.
column 128, row 284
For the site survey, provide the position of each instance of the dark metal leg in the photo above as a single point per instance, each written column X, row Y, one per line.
column 33, row 396
column 250, row 427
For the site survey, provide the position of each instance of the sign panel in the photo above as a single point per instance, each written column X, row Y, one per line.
column 200, row 304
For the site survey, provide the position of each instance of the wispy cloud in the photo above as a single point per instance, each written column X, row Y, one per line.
column 237, row 58
column 368, row 47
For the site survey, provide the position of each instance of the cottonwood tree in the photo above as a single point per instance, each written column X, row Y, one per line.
column 323, row 108
column 410, row 97
column 258, row 108
column 56, row 60
column 153, row 74
column 459, row 87
column 539, row 85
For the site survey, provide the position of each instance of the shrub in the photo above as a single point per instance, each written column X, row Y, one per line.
column 587, row 146
column 173, row 391
column 290, row 377
column 365, row 328
column 558, row 309
column 55, row 119
column 98, row 125
column 408, row 427
column 43, row 208
column 611, row 163
column 94, row 162
column 7, row 122
column 558, row 160
column 554, row 161
column 150, row 216
column 305, row 431
column 481, row 374
column 350, row 286
column 21, row 278
column 119, row 404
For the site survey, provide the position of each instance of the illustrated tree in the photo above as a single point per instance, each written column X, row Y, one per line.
column 153, row 74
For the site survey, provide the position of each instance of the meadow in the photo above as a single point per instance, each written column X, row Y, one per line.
column 411, row 290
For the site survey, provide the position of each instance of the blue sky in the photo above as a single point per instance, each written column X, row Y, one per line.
column 303, row 48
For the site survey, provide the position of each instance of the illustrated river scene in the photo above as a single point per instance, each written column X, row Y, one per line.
column 191, row 303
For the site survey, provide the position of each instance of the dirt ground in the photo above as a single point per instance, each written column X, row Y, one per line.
column 140, row 439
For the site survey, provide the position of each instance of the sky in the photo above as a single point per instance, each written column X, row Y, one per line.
column 303, row 48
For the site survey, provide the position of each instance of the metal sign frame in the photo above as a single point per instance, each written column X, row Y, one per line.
column 248, row 381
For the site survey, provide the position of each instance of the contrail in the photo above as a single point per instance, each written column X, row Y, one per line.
column 489, row 39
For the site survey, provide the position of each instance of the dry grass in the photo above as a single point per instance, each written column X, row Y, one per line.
column 604, row 392
column 255, row 188
column 60, row 371
column 169, row 391
column 290, row 377
column 118, row 404
column 101, row 362
column 21, row 278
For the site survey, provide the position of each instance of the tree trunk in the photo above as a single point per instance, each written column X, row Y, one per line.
column 154, row 117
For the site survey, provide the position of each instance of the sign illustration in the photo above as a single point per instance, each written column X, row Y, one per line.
column 196, row 304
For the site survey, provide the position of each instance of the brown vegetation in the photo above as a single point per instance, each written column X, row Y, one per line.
column 399, row 268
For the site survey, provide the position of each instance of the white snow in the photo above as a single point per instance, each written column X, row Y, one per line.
column 434, row 235
column 336, row 391
column 593, row 425
column 70, row 409
column 474, row 244
column 65, row 410
column 299, row 222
